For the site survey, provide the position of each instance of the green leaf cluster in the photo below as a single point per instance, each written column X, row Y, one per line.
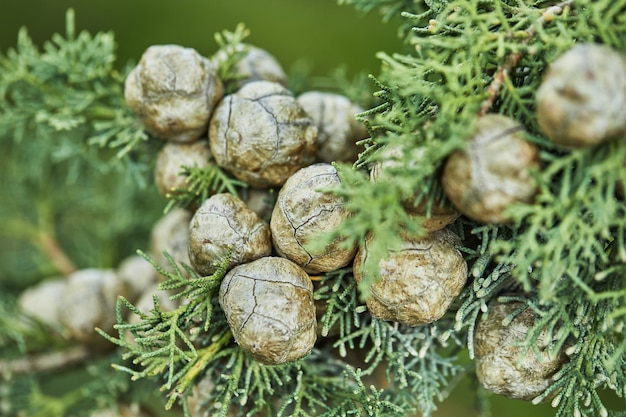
column 72, row 146
column 563, row 255
column 72, row 393
column 162, row 342
column 193, row 343
column 73, row 159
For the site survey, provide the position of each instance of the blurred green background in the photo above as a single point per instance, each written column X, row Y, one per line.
column 317, row 31
column 320, row 33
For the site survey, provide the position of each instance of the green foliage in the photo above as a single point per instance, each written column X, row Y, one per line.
column 194, row 341
column 70, row 87
column 73, row 160
column 564, row 254
column 417, row 362
column 73, row 154
column 596, row 360
column 69, row 394
column 388, row 9
column 162, row 342
column 231, row 51
column 488, row 277
column 315, row 386
column 201, row 183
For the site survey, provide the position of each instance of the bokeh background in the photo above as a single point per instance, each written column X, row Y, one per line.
column 317, row 33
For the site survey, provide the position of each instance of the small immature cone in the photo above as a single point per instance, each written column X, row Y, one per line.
column 498, row 348
column 137, row 274
column 440, row 215
column 261, row 201
column 42, row 301
column 88, row 302
column 493, row 172
column 168, row 171
column 338, row 129
column 582, row 99
column 303, row 214
column 171, row 234
column 262, row 135
column 173, row 90
column 269, row 307
column 222, row 223
column 256, row 65
column 418, row 282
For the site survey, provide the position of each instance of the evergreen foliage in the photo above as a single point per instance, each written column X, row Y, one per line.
column 194, row 340
column 63, row 116
column 565, row 251
column 563, row 256
column 73, row 160
column 201, row 183
column 163, row 343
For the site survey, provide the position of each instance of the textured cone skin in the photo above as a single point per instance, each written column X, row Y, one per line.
column 173, row 90
column 224, row 223
column 338, row 130
column 418, row 283
column 262, row 135
column 498, row 348
column 582, row 99
column 493, row 172
column 302, row 214
column 269, row 306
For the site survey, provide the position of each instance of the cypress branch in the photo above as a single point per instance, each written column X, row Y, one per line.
column 46, row 361
column 561, row 257
column 513, row 59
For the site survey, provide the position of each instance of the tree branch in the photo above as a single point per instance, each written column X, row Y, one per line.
column 55, row 253
column 41, row 238
column 513, row 59
column 45, row 361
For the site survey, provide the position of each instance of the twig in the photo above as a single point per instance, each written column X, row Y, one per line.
column 513, row 59
column 57, row 256
column 41, row 237
column 204, row 357
column 45, row 361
